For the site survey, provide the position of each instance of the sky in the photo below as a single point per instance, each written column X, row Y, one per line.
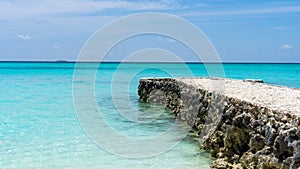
column 241, row 31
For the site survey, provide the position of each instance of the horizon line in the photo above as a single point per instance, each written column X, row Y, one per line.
column 188, row 62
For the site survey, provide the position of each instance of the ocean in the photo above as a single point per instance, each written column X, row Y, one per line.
column 39, row 127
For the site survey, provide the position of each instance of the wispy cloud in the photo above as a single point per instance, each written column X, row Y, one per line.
column 251, row 11
column 281, row 28
column 24, row 37
column 11, row 9
column 166, row 39
column 21, row 9
column 171, row 40
column 55, row 47
column 286, row 46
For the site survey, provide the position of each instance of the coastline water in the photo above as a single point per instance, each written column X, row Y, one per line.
column 39, row 127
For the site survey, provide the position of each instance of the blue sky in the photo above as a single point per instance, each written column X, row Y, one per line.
column 241, row 31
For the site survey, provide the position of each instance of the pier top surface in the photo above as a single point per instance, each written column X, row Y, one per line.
column 277, row 98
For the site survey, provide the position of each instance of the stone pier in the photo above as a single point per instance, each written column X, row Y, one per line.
column 244, row 124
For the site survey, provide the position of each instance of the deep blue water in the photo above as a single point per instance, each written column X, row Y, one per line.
column 39, row 127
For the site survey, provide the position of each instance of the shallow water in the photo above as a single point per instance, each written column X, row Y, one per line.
column 39, row 126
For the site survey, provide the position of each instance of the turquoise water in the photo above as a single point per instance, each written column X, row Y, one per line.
column 39, row 126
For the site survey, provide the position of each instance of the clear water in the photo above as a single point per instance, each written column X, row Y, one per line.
column 39, row 127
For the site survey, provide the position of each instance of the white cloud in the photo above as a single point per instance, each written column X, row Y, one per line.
column 281, row 28
column 24, row 37
column 56, row 47
column 171, row 40
column 285, row 46
column 164, row 39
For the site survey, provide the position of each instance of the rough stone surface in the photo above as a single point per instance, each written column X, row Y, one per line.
column 244, row 124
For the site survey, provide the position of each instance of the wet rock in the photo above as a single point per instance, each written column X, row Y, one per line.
column 236, row 140
column 256, row 142
column 254, row 80
column 249, row 160
column 270, row 135
column 221, row 164
column 268, row 162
